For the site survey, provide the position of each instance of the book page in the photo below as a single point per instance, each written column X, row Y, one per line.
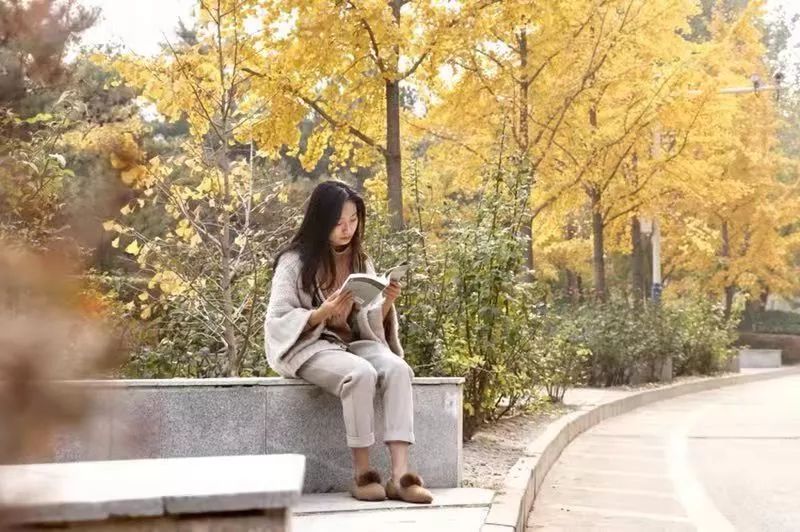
column 365, row 288
column 397, row 273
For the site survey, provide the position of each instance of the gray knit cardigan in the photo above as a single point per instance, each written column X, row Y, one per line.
column 288, row 346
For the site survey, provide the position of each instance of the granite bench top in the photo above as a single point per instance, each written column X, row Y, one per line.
column 92, row 491
column 232, row 381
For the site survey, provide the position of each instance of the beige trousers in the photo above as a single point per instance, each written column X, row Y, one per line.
column 353, row 375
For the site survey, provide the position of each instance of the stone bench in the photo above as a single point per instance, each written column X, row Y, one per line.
column 242, row 416
column 209, row 493
column 760, row 358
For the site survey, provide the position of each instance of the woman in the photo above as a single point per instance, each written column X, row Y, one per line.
column 314, row 331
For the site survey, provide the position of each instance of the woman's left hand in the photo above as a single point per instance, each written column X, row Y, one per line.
column 392, row 292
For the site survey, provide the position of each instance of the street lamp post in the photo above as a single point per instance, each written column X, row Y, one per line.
column 651, row 230
column 656, row 289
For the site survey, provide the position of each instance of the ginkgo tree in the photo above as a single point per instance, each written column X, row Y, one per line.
column 208, row 265
column 577, row 85
column 358, row 66
column 596, row 112
column 515, row 80
column 731, row 228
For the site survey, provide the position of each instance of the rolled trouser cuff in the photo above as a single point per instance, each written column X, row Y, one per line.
column 399, row 436
column 361, row 441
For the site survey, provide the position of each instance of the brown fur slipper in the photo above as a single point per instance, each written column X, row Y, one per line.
column 367, row 487
column 409, row 489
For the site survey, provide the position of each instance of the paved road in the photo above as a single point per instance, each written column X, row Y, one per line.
column 715, row 461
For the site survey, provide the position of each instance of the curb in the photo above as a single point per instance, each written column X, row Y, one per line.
column 512, row 504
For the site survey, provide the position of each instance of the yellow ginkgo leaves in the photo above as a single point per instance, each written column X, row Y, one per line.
column 133, row 248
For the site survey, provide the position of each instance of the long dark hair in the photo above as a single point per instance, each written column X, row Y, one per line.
column 312, row 239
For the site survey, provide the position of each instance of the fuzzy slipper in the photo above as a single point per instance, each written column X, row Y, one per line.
column 367, row 487
column 409, row 489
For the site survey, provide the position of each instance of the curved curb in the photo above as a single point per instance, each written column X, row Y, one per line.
column 512, row 504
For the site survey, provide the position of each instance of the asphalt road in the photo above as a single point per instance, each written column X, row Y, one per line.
column 716, row 461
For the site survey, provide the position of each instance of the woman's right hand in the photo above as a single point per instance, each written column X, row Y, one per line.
column 336, row 304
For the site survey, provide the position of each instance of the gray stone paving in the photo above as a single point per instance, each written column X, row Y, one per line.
column 726, row 459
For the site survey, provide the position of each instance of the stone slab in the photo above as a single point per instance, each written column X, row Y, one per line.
column 88, row 440
column 335, row 503
column 228, row 382
column 184, row 422
column 311, row 424
column 789, row 344
column 403, row 520
column 225, row 417
column 266, row 521
column 760, row 358
column 92, row 491
column 733, row 364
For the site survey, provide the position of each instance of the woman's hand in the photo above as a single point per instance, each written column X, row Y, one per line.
column 392, row 292
column 336, row 304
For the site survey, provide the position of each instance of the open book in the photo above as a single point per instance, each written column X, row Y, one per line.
column 367, row 287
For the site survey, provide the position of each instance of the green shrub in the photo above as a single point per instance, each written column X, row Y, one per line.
column 623, row 343
column 465, row 311
column 559, row 357
column 705, row 338
column 631, row 344
column 772, row 322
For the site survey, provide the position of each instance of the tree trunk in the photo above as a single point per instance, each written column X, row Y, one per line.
column 524, row 145
column 527, row 237
column 573, row 287
column 232, row 357
column 598, row 262
column 637, row 262
column 524, row 84
column 229, row 332
column 730, row 290
column 394, row 162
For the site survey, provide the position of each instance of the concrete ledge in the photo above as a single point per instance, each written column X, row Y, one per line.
column 101, row 491
column 166, row 418
column 759, row 358
column 228, row 382
column 513, row 502
column 789, row 344
column 342, row 503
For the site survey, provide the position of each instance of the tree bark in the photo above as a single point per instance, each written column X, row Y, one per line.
column 229, row 331
column 228, row 104
column 573, row 280
column 524, row 146
column 598, row 262
column 637, row 262
column 394, row 162
column 730, row 290
column 527, row 237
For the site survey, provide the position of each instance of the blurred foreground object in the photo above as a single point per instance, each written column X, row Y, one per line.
column 51, row 328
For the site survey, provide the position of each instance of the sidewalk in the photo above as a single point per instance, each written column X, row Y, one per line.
column 683, row 464
column 458, row 509
column 461, row 509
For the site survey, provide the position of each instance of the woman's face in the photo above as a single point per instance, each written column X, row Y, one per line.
column 343, row 233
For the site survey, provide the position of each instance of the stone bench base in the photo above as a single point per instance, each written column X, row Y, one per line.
column 760, row 358
column 209, row 493
column 218, row 417
column 267, row 521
